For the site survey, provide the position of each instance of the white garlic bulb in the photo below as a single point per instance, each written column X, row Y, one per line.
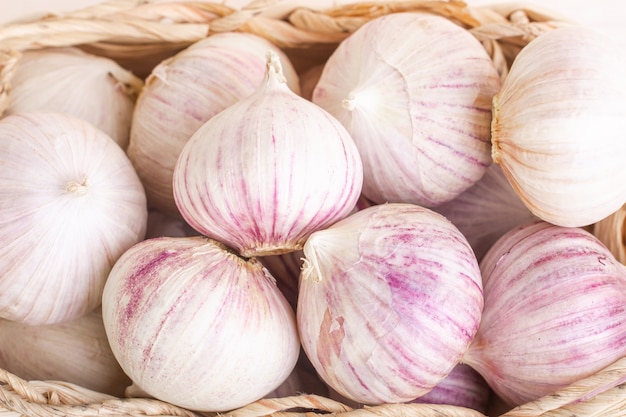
column 554, row 311
column 71, row 81
column 70, row 205
column 185, row 91
column 559, row 123
column 391, row 297
column 195, row 325
column 414, row 91
column 268, row 171
column 75, row 351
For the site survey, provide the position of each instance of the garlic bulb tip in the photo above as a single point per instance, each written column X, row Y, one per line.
column 274, row 67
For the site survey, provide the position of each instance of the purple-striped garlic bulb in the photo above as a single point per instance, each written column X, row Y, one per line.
column 268, row 171
column 194, row 324
column 391, row 297
column 463, row 387
column 414, row 90
column 183, row 92
column 555, row 311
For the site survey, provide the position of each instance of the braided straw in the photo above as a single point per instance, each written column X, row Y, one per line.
column 140, row 33
column 612, row 232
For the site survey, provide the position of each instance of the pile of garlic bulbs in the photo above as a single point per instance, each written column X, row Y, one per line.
column 371, row 228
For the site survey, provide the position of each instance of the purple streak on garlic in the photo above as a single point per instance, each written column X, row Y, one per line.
column 414, row 90
column 486, row 211
column 93, row 88
column 390, row 298
column 555, row 311
column 265, row 173
column 186, row 90
column 70, row 205
column 193, row 324
column 558, row 126
column 463, row 387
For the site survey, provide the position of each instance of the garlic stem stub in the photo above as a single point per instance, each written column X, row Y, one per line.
column 194, row 324
column 558, row 126
column 70, row 205
column 414, row 90
column 554, row 311
column 183, row 92
column 390, row 298
column 268, row 171
column 68, row 80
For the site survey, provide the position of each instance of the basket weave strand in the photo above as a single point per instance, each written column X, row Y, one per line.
column 140, row 33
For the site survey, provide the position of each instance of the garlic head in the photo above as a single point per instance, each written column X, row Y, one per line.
column 186, row 90
column 268, row 171
column 414, row 90
column 75, row 351
column 558, row 126
column 554, row 311
column 70, row 205
column 68, row 80
column 390, row 297
column 193, row 324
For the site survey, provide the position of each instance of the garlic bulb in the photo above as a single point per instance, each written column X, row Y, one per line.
column 463, row 387
column 185, row 91
column 414, row 91
column 70, row 205
column 390, row 297
column 76, row 351
column 265, row 173
column 558, row 126
column 197, row 326
column 486, row 211
column 71, row 81
column 554, row 311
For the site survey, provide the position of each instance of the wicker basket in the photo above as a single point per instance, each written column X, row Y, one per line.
column 140, row 33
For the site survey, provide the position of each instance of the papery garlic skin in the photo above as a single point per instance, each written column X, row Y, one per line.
column 268, row 171
column 70, row 205
column 390, row 297
column 75, row 351
column 558, row 127
column 555, row 311
column 486, row 211
column 414, row 90
column 68, row 80
column 185, row 91
column 197, row 326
